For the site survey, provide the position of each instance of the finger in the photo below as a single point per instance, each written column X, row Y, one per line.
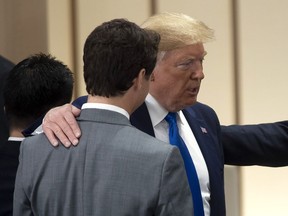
column 70, row 127
column 50, row 135
column 55, row 126
column 75, row 111
column 61, row 134
column 62, row 123
column 73, row 123
column 66, row 133
column 55, row 133
column 62, row 130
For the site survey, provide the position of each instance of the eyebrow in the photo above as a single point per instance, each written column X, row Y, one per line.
column 204, row 54
column 193, row 57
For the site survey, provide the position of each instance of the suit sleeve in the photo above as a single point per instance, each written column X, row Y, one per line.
column 175, row 196
column 261, row 144
column 21, row 203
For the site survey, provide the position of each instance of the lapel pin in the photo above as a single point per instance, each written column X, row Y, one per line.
column 203, row 130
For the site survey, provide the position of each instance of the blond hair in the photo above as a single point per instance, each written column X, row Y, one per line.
column 178, row 30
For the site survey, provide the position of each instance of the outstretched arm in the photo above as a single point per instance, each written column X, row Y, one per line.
column 260, row 144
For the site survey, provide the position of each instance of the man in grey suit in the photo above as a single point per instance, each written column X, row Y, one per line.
column 117, row 169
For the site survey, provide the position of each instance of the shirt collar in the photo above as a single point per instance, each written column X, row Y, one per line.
column 106, row 107
column 16, row 139
column 158, row 112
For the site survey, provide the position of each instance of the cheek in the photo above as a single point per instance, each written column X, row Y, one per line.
column 171, row 83
column 178, row 82
column 175, row 91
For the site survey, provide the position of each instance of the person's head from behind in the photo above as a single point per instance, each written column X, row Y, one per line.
column 116, row 53
column 35, row 85
column 178, row 72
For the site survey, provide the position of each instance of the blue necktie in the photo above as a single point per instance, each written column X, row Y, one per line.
column 175, row 139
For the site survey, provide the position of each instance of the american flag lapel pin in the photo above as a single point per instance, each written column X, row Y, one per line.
column 204, row 130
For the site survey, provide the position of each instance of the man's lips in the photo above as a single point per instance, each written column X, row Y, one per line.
column 194, row 91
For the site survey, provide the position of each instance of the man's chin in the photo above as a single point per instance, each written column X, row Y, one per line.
column 186, row 105
column 192, row 102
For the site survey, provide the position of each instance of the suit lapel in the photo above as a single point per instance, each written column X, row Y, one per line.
column 199, row 129
column 204, row 138
column 140, row 118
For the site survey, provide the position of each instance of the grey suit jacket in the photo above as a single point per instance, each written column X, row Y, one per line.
column 115, row 170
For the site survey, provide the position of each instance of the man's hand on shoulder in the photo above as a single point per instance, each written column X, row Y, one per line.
column 59, row 123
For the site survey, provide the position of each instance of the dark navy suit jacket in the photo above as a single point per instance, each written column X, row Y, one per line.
column 259, row 144
column 206, row 128
column 5, row 67
column 9, row 154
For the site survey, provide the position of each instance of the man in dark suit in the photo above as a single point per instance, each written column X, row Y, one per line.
column 116, row 169
column 33, row 86
column 5, row 67
column 175, row 83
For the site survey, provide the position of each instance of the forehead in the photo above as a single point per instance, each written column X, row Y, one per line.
column 189, row 51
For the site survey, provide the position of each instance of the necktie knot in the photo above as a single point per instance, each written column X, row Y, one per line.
column 171, row 118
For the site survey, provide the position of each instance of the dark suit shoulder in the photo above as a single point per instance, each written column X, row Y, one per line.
column 10, row 149
column 202, row 108
column 9, row 153
column 204, row 112
column 5, row 66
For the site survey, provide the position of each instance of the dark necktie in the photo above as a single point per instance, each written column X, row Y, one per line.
column 175, row 139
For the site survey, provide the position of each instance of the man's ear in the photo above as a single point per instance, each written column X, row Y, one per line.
column 152, row 77
column 140, row 78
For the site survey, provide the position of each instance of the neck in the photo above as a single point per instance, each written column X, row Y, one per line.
column 16, row 133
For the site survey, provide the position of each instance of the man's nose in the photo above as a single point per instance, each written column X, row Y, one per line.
column 198, row 72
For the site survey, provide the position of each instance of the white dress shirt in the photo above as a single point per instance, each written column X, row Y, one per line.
column 20, row 139
column 106, row 107
column 161, row 128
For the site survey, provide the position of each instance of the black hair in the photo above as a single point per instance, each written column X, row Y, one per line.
column 34, row 86
column 114, row 54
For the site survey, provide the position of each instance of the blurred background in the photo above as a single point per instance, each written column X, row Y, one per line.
column 246, row 70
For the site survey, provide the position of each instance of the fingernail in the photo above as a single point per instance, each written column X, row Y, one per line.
column 78, row 134
column 55, row 143
column 67, row 144
column 75, row 142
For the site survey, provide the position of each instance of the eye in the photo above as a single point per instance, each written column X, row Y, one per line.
column 186, row 65
column 191, row 64
column 201, row 61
